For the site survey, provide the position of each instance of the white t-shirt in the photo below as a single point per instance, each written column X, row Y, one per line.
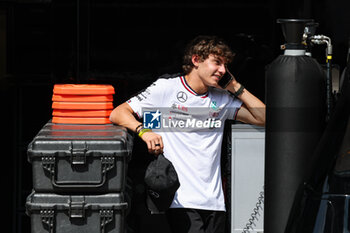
column 191, row 127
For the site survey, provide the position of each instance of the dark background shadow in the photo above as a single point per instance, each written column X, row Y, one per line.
column 127, row 43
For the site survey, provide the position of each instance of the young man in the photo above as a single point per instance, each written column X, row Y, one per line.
column 196, row 108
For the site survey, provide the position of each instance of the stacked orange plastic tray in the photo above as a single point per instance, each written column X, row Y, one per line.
column 82, row 103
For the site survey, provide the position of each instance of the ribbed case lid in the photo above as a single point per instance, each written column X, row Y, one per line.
column 57, row 138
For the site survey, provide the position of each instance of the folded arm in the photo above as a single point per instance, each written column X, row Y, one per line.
column 124, row 115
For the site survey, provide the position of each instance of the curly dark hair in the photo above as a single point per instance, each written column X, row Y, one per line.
column 203, row 46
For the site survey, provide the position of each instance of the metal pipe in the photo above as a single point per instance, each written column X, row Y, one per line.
column 322, row 39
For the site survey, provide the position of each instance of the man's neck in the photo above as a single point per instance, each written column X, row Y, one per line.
column 195, row 82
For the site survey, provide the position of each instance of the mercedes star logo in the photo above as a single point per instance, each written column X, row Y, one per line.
column 182, row 96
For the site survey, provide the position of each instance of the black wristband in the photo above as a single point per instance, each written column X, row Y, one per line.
column 239, row 91
column 137, row 128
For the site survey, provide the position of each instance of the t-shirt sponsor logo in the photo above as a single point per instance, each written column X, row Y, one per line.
column 143, row 94
column 213, row 105
column 179, row 107
column 181, row 96
column 214, row 114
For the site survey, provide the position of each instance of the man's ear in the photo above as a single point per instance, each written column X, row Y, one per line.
column 195, row 60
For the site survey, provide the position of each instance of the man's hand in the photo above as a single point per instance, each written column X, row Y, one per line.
column 154, row 142
column 226, row 80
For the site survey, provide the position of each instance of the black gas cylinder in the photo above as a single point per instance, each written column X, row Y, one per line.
column 295, row 119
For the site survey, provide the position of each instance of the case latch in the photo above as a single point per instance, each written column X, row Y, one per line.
column 78, row 153
column 76, row 208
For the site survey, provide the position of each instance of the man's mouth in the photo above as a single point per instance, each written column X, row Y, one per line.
column 218, row 77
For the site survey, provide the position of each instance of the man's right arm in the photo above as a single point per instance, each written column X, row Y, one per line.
column 124, row 115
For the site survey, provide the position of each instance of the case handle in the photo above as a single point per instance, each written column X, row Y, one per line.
column 48, row 163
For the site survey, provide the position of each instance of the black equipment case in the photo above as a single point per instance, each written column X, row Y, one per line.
column 80, row 158
column 53, row 213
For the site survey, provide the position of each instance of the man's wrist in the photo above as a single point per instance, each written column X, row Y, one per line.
column 239, row 91
column 236, row 89
column 143, row 130
column 138, row 128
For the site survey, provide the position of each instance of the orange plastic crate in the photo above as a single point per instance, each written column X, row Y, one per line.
column 82, row 105
column 82, row 98
column 83, row 89
column 81, row 113
column 81, row 120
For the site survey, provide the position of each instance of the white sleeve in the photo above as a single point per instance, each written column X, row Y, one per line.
column 150, row 97
column 233, row 106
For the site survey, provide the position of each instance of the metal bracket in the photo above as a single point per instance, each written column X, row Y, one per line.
column 76, row 209
column 78, row 155
column 48, row 163
column 106, row 216
column 47, row 217
column 107, row 163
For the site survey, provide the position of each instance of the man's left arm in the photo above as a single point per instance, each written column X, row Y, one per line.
column 252, row 110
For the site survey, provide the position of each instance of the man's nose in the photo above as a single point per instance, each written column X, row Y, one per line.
column 222, row 69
